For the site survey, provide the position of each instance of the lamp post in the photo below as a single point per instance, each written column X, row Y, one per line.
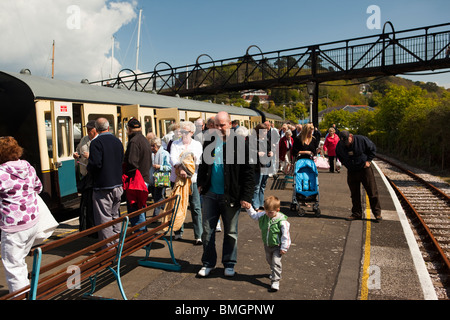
column 311, row 86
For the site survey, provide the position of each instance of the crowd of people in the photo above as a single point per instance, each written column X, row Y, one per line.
column 217, row 167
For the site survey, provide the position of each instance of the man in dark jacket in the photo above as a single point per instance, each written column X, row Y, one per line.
column 105, row 165
column 356, row 153
column 138, row 157
column 226, row 181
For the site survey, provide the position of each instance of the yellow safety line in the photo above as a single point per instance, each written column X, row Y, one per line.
column 366, row 265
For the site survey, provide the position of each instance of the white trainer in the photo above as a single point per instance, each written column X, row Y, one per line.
column 229, row 272
column 204, row 271
column 275, row 286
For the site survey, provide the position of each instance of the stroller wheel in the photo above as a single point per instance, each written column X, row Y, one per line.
column 301, row 212
column 317, row 211
column 293, row 207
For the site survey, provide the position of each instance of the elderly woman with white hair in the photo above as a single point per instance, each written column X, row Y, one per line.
column 183, row 145
column 161, row 163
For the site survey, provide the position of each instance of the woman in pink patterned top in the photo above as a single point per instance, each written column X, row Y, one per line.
column 19, row 212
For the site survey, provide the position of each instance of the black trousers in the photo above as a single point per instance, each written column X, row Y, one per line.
column 86, row 217
column 367, row 179
column 331, row 162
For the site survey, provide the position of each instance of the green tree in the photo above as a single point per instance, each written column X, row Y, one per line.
column 341, row 118
column 363, row 122
column 255, row 103
column 300, row 111
column 393, row 105
column 438, row 120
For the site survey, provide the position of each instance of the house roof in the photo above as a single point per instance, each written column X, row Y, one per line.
column 349, row 108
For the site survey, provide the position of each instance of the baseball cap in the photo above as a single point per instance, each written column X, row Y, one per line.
column 134, row 123
column 343, row 136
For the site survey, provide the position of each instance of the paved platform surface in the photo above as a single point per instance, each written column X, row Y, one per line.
column 326, row 261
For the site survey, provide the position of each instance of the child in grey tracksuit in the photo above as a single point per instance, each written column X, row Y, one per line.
column 275, row 234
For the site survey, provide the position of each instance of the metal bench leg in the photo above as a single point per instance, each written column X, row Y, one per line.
column 117, row 265
column 35, row 274
column 119, row 281
column 174, row 266
column 93, row 281
column 170, row 246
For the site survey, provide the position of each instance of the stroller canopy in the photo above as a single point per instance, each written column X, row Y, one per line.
column 306, row 177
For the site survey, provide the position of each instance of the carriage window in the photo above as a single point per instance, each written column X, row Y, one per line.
column 165, row 126
column 64, row 135
column 108, row 117
column 148, row 124
column 48, row 132
column 77, row 127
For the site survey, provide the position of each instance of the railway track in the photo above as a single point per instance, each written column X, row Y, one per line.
column 425, row 199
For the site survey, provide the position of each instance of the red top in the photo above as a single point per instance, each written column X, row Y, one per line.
column 330, row 144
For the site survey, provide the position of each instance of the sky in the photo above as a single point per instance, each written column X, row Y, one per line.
column 177, row 32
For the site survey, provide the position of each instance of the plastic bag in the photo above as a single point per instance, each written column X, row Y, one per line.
column 46, row 224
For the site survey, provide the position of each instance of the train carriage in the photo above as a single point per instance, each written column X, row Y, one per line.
column 47, row 117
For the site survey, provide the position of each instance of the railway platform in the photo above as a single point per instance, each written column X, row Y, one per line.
column 330, row 258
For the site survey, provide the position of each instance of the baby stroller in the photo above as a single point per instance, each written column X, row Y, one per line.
column 306, row 187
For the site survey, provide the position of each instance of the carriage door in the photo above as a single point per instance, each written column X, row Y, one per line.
column 63, row 146
column 126, row 113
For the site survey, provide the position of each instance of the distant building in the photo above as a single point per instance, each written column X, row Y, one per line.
column 349, row 108
column 249, row 94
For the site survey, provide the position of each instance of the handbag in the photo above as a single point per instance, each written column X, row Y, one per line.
column 162, row 178
column 46, row 224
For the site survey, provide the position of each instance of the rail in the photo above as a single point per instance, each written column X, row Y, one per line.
column 412, row 208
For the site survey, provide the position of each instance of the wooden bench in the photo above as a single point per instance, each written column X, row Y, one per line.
column 98, row 257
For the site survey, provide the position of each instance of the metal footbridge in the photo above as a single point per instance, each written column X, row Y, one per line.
column 388, row 53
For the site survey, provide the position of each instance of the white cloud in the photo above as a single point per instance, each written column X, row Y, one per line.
column 81, row 29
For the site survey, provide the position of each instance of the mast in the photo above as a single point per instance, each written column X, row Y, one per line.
column 138, row 39
column 112, row 55
column 53, row 60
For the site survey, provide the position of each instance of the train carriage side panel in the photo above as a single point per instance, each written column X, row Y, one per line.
column 18, row 117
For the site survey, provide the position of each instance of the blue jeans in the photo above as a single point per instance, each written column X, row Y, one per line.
column 158, row 195
column 260, row 187
column 137, row 219
column 196, row 211
column 214, row 206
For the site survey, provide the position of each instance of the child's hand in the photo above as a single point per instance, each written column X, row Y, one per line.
column 246, row 205
column 282, row 252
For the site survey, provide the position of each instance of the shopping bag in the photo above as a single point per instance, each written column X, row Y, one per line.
column 321, row 163
column 46, row 224
column 162, row 178
column 338, row 165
